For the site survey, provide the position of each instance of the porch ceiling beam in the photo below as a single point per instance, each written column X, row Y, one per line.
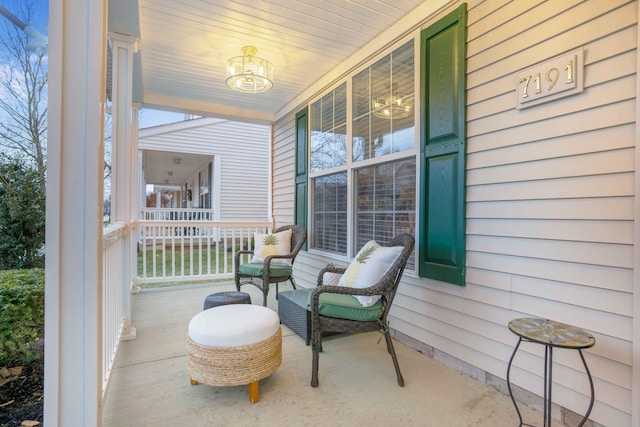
column 183, row 105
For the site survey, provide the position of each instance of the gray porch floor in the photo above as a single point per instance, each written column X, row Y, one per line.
column 150, row 383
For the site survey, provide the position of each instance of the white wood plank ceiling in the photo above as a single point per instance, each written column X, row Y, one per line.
column 184, row 45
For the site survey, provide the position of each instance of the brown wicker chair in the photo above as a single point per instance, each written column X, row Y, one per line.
column 386, row 287
column 270, row 274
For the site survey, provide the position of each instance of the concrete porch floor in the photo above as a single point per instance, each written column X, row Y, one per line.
column 150, row 382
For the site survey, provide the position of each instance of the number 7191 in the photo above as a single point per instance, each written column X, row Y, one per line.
column 551, row 76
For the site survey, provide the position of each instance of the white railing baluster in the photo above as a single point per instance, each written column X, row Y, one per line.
column 199, row 251
column 173, row 251
column 113, row 291
column 190, row 253
column 164, row 252
column 208, row 243
column 182, row 252
column 143, row 242
column 183, row 248
column 176, row 214
column 153, row 251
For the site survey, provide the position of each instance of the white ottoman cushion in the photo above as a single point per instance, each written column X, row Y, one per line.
column 233, row 325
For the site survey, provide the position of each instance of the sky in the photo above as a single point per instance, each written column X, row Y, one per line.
column 149, row 118
column 39, row 21
column 40, row 12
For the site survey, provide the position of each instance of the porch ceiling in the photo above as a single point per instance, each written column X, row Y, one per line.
column 169, row 168
column 184, row 46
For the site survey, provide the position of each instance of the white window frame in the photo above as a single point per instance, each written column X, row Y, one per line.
column 350, row 167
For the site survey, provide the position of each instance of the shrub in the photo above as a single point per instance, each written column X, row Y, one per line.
column 21, row 314
column 22, row 215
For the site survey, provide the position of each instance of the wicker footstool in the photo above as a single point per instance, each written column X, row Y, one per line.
column 234, row 345
column 292, row 309
column 225, row 298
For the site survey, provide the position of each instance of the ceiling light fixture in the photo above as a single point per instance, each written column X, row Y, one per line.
column 249, row 73
column 393, row 106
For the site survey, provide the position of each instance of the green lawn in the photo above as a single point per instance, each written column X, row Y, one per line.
column 174, row 259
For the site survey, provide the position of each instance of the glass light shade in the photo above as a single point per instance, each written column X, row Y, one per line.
column 248, row 73
column 391, row 107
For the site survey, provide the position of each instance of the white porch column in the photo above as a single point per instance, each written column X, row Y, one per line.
column 73, row 289
column 122, row 48
column 124, row 158
column 135, row 204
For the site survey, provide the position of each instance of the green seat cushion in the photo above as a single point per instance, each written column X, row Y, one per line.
column 257, row 269
column 346, row 307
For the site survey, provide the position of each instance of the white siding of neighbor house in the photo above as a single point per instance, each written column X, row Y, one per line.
column 550, row 204
column 243, row 153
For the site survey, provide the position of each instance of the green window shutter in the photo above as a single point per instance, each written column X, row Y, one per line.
column 301, row 178
column 442, row 148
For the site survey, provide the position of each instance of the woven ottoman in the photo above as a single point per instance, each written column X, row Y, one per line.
column 225, row 298
column 234, row 345
column 292, row 309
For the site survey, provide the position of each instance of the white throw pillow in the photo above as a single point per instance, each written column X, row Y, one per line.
column 369, row 265
column 272, row 244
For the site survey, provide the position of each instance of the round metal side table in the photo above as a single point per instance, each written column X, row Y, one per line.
column 550, row 334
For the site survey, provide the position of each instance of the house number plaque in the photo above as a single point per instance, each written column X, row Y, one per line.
column 550, row 80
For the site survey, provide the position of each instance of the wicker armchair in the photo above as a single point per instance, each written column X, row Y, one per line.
column 267, row 274
column 385, row 287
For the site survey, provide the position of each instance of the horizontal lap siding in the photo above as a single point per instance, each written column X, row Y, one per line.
column 283, row 170
column 550, row 203
column 306, row 266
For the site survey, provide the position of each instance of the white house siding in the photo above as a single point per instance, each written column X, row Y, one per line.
column 283, row 171
column 306, row 267
column 550, row 204
column 550, row 198
column 243, row 150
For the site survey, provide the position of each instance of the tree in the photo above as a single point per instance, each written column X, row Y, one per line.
column 23, row 92
column 22, row 214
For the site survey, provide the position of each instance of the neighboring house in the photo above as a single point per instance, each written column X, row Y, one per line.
column 517, row 212
column 207, row 163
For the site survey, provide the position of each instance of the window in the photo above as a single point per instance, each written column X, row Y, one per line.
column 374, row 152
column 328, row 141
column 365, row 167
column 330, row 213
column 329, row 130
column 386, row 204
column 204, row 185
column 383, row 104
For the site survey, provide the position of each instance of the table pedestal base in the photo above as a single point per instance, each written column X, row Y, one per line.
column 534, row 330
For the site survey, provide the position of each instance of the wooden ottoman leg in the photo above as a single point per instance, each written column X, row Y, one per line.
column 253, row 392
column 193, row 382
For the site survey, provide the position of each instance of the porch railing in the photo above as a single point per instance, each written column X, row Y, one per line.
column 115, row 284
column 191, row 250
column 167, row 251
column 176, row 214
